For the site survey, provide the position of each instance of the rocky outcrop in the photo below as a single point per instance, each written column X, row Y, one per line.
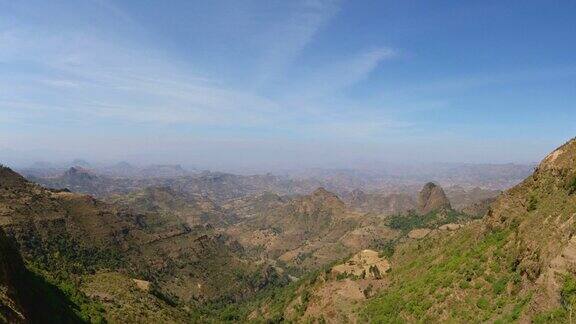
column 432, row 198
column 333, row 295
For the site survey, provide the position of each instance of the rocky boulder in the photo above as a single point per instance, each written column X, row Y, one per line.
column 432, row 198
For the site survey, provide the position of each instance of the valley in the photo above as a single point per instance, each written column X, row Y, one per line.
column 287, row 161
column 221, row 247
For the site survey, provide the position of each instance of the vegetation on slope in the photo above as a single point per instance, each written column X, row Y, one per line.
column 433, row 219
column 463, row 277
column 71, row 239
column 516, row 264
column 27, row 297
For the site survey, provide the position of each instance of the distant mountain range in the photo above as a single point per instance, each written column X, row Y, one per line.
column 121, row 178
column 219, row 247
column 117, row 170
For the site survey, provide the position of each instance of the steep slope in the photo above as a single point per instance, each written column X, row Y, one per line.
column 432, row 198
column 478, row 209
column 68, row 236
column 518, row 263
column 25, row 297
column 11, row 268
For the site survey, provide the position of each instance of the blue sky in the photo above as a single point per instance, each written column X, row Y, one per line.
column 286, row 83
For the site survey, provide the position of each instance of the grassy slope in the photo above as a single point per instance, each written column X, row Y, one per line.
column 496, row 269
column 463, row 277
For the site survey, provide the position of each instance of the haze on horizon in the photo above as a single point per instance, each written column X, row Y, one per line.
column 278, row 84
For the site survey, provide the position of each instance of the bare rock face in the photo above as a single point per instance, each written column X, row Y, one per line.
column 432, row 198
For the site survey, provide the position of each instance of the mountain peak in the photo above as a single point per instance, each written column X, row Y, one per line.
column 76, row 170
column 321, row 191
column 325, row 195
column 80, row 162
column 432, row 198
column 323, row 199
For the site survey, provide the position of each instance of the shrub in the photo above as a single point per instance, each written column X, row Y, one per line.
column 411, row 221
column 568, row 292
column 571, row 186
column 483, row 303
column 386, row 249
column 499, row 286
column 532, row 203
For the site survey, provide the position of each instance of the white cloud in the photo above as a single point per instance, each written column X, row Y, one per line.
column 82, row 75
column 110, row 80
column 285, row 40
column 342, row 73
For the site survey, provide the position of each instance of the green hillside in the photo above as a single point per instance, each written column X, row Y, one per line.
column 516, row 264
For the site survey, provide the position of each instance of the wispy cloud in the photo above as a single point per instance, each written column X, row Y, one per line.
column 274, row 69
column 109, row 80
column 286, row 39
column 84, row 76
column 465, row 82
column 340, row 74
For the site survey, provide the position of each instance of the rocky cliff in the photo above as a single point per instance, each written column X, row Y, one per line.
column 432, row 198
